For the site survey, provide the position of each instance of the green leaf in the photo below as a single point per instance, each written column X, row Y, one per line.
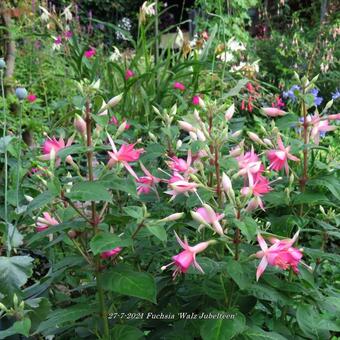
column 106, row 241
column 287, row 122
column 89, row 191
column 15, row 239
column 40, row 201
column 60, row 316
column 4, row 142
column 19, row 327
column 248, row 227
column 135, row 212
column 14, row 272
column 330, row 182
column 111, row 181
column 305, row 316
column 124, row 281
column 157, row 230
column 311, row 198
column 258, row 333
column 223, row 329
column 241, row 273
column 75, row 148
column 126, row 332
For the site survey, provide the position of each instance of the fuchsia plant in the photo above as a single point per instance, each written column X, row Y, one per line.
column 51, row 147
column 44, row 222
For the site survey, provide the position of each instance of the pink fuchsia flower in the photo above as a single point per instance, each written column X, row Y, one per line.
column 281, row 254
column 273, row 111
column 126, row 154
column 179, row 86
column 249, row 165
column 187, row 257
column 206, row 215
column 53, row 146
column 196, row 100
column 179, row 165
column 110, row 253
column 258, row 188
column 45, row 222
column 31, row 98
column 90, row 53
column 279, row 158
column 147, row 182
column 319, row 128
column 179, row 185
column 129, row 74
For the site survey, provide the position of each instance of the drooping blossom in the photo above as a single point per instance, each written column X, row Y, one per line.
column 250, row 165
column 179, row 185
column 147, row 182
column 31, row 98
column 319, row 128
column 279, row 158
column 127, row 153
column 187, row 257
column 179, row 165
column 281, row 254
column 206, row 215
column 58, row 40
column 273, row 111
column 90, row 53
column 45, row 222
column 110, row 253
column 129, row 74
column 259, row 188
column 52, row 146
column 179, row 86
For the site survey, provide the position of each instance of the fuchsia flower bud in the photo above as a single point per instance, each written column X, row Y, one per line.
column 206, row 215
column 80, row 125
column 334, row 117
column 186, row 126
column 129, row 74
column 110, row 253
column 172, row 217
column 187, row 257
column 179, row 86
column 230, row 112
column 273, row 111
column 281, row 254
column 45, row 222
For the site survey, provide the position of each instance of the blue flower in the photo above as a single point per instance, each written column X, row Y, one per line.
column 290, row 93
column 317, row 100
column 336, row 94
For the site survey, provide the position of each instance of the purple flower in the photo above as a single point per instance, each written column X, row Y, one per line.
column 336, row 94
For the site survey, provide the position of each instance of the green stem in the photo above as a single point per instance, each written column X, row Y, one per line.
column 95, row 222
column 6, row 156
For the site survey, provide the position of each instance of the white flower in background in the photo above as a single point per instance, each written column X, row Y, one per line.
column 115, row 55
column 254, row 67
column 149, row 9
column 67, row 13
column 45, row 15
column 179, row 40
column 234, row 45
column 225, row 56
column 126, row 25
